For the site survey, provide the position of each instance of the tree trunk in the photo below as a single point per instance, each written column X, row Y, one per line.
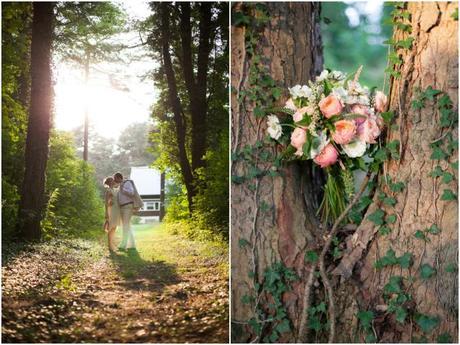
column 432, row 61
column 273, row 218
column 176, row 107
column 36, row 154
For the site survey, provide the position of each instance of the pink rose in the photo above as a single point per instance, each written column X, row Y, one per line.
column 368, row 131
column 298, row 116
column 345, row 130
column 380, row 101
column 361, row 110
column 290, row 104
column 330, row 106
column 327, row 156
column 298, row 138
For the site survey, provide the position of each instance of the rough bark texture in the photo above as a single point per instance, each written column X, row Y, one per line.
column 291, row 49
column 36, row 154
column 432, row 61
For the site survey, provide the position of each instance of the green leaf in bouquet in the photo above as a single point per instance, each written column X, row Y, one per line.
column 306, row 120
column 306, row 148
column 353, row 116
column 360, row 163
column 327, row 87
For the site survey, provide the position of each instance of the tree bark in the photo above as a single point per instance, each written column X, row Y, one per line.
column 36, row 153
column 290, row 47
column 432, row 61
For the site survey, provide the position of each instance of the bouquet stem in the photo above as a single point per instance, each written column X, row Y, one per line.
column 334, row 199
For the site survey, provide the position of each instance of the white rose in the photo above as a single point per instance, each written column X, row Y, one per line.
column 274, row 128
column 324, row 74
column 337, row 75
column 300, row 91
column 356, row 148
column 340, row 93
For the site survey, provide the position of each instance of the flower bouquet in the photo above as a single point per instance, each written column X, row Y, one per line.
column 334, row 121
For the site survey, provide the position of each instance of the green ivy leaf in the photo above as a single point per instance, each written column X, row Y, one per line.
column 406, row 260
column 454, row 165
column 444, row 101
column 447, row 177
column 384, row 230
column 448, row 195
column 391, row 219
column 283, row 326
column 387, row 116
column 246, row 299
column 381, row 154
column 390, row 201
column 436, row 172
column 420, row 235
column 365, row 318
column 427, row 323
column 243, row 243
column 397, row 187
column 311, row 256
column 433, row 229
column 426, row 271
column 393, row 286
column 438, row 153
column 321, row 307
column 445, row 338
column 259, row 112
column 400, row 314
column 430, row 93
column 406, row 44
column 451, row 268
column 314, row 323
column 376, row 217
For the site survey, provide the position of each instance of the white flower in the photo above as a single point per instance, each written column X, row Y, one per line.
column 324, row 74
column 300, row 91
column 337, row 75
column 356, row 148
column 322, row 144
column 340, row 93
column 274, row 128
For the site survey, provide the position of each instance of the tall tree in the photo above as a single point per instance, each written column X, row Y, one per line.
column 192, row 45
column 417, row 299
column 36, row 153
column 274, row 46
column 84, row 36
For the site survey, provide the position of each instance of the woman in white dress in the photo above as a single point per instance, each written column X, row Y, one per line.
column 112, row 211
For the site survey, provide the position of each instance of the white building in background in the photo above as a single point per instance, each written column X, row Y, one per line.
column 150, row 184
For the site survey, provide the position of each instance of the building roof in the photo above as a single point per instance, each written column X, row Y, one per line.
column 147, row 180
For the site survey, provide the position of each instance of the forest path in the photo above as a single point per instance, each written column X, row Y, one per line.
column 171, row 290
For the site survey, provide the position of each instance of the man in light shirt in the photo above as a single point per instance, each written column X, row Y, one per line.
column 129, row 200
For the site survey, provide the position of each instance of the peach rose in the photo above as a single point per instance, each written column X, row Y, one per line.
column 345, row 130
column 298, row 116
column 298, row 138
column 368, row 131
column 330, row 106
column 290, row 104
column 380, row 101
column 361, row 110
column 327, row 156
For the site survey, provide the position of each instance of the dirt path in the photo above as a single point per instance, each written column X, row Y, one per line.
column 171, row 290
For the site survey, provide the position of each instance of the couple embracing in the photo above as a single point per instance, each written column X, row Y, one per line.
column 121, row 201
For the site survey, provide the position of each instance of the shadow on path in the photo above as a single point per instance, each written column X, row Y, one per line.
column 139, row 273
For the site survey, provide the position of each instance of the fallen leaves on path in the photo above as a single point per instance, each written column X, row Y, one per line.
column 73, row 291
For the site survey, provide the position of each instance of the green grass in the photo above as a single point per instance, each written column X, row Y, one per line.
column 162, row 254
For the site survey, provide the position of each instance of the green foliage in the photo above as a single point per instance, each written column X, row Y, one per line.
column 390, row 259
column 444, row 338
column 311, row 256
column 74, row 203
column 426, row 271
column 377, row 217
column 448, row 195
column 365, row 320
column 347, row 46
column 427, row 323
column 316, row 315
